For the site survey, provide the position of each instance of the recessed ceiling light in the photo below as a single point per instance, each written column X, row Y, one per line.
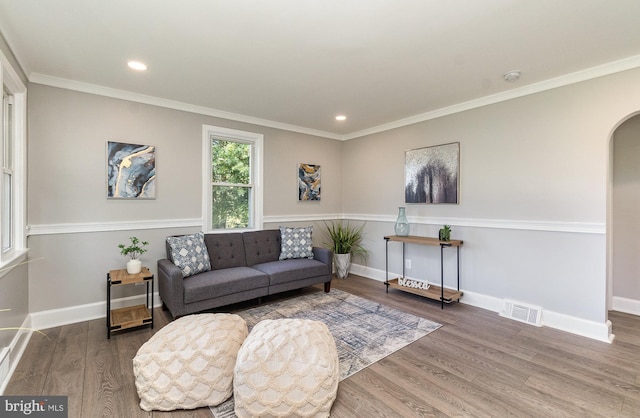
column 511, row 76
column 137, row 65
column 341, row 117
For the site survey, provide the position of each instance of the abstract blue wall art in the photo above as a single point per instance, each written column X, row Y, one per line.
column 308, row 182
column 432, row 174
column 131, row 171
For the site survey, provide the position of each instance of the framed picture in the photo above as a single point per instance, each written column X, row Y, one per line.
column 308, row 182
column 131, row 171
column 432, row 174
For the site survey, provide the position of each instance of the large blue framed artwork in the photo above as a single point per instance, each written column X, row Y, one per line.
column 308, row 182
column 432, row 174
column 131, row 171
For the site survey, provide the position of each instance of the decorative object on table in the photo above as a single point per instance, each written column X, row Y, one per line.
column 402, row 224
column 131, row 171
column 308, row 182
column 364, row 331
column 432, row 174
column 345, row 241
column 414, row 284
column 134, row 251
column 445, row 233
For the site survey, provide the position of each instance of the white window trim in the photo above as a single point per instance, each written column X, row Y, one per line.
column 257, row 178
column 9, row 78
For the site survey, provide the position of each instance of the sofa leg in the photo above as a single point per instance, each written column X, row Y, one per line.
column 327, row 286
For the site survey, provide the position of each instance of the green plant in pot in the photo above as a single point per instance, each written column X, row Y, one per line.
column 345, row 241
column 445, row 233
column 134, row 251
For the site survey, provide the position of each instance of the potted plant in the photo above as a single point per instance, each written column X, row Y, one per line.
column 445, row 233
column 346, row 241
column 134, row 251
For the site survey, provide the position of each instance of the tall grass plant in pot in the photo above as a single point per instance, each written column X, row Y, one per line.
column 345, row 240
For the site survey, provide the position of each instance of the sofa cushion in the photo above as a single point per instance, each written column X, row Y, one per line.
column 189, row 253
column 261, row 246
column 285, row 271
column 226, row 250
column 216, row 283
column 296, row 242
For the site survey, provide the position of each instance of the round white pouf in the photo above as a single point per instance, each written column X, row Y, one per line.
column 286, row 368
column 189, row 363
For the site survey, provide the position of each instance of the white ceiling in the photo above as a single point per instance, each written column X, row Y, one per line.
column 298, row 63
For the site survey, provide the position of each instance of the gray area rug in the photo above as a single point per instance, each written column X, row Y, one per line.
column 365, row 331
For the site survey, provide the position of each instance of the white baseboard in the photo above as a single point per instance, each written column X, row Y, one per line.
column 574, row 325
column 590, row 329
column 630, row 306
column 73, row 314
column 16, row 350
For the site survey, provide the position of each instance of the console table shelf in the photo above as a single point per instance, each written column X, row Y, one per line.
column 433, row 292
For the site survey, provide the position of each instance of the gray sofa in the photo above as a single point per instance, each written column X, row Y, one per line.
column 244, row 266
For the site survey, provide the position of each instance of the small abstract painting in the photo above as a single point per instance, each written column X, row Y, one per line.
column 131, row 171
column 432, row 174
column 308, row 182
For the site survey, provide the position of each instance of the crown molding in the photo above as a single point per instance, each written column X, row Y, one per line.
column 89, row 88
column 565, row 80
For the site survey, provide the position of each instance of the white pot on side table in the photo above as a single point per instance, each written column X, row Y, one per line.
column 134, row 266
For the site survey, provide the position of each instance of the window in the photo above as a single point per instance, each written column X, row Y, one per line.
column 6, row 212
column 232, row 169
column 13, row 159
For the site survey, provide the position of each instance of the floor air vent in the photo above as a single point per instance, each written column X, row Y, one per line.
column 522, row 312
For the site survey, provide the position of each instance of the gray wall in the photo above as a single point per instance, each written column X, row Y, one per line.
column 533, row 195
column 626, row 210
column 68, row 132
column 532, row 212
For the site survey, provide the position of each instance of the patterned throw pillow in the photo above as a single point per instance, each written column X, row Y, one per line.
column 189, row 254
column 295, row 242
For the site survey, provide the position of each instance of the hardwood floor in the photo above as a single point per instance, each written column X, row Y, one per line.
column 477, row 365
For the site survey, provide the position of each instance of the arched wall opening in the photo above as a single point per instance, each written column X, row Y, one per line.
column 623, row 219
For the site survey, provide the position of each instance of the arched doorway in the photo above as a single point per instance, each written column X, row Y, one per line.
column 623, row 220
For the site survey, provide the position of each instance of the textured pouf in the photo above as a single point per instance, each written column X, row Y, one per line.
column 286, row 368
column 189, row 363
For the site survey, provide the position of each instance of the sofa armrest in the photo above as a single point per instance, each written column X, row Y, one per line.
column 323, row 255
column 170, row 287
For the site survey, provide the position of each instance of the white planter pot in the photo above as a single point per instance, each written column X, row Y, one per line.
column 134, row 266
column 342, row 262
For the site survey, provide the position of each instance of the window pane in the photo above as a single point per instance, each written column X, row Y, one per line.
column 8, row 141
column 230, row 207
column 230, row 161
column 6, row 213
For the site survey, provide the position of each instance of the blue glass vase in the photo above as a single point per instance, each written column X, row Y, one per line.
column 402, row 224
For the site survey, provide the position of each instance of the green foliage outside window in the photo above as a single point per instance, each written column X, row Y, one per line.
column 231, row 183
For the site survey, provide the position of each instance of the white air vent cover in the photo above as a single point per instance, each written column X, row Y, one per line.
column 522, row 312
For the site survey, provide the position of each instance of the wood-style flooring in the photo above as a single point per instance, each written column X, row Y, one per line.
column 477, row 365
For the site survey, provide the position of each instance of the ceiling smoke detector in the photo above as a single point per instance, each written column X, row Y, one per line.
column 511, row 76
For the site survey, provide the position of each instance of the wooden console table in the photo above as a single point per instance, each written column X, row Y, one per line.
column 433, row 292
